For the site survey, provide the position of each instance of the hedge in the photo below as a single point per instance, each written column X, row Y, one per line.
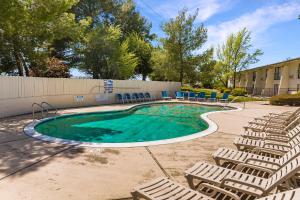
column 238, row 92
column 286, row 99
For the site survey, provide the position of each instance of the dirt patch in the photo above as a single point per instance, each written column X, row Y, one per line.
column 96, row 159
column 111, row 151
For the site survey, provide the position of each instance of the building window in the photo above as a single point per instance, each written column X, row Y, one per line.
column 266, row 73
column 299, row 71
column 277, row 73
column 254, row 76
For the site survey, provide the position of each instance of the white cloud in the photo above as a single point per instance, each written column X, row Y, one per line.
column 258, row 22
column 169, row 9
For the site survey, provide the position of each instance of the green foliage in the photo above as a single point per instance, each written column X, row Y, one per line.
column 207, row 75
column 183, row 38
column 162, row 67
column 105, row 56
column 29, row 27
column 238, row 92
column 142, row 50
column 198, row 90
column 235, row 55
column 286, row 99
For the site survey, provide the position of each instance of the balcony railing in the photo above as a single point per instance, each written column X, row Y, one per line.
column 268, row 92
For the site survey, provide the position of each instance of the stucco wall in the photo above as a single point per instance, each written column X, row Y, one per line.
column 18, row 93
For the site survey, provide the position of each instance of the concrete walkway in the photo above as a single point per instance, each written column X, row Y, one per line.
column 37, row 170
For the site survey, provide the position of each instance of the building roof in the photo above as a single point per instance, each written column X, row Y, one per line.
column 281, row 62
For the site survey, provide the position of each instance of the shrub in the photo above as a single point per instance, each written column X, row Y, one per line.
column 227, row 91
column 238, row 92
column 286, row 99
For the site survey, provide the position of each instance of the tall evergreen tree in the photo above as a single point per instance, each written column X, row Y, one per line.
column 183, row 39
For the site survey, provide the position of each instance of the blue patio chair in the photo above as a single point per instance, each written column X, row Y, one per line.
column 185, row 95
column 135, row 97
column 148, row 96
column 119, row 98
column 165, row 95
column 224, row 97
column 127, row 98
column 192, row 96
column 213, row 97
column 179, row 95
column 141, row 96
column 201, row 96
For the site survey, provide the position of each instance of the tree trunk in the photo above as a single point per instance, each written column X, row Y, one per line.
column 234, row 75
column 144, row 77
column 25, row 66
column 181, row 69
column 19, row 63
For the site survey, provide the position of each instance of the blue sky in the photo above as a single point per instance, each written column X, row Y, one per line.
column 273, row 23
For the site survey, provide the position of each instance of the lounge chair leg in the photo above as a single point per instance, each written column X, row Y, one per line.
column 134, row 196
column 190, row 182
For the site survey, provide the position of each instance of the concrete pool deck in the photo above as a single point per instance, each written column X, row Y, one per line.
column 33, row 169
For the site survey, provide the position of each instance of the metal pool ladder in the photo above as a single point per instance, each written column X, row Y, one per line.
column 44, row 106
column 233, row 100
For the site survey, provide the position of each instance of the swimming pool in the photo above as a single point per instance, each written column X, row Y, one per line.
column 139, row 124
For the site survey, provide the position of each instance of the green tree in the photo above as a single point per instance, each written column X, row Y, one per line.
column 162, row 67
column 105, row 56
column 183, row 39
column 236, row 55
column 29, row 27
column 142, row 49
column 207, row 75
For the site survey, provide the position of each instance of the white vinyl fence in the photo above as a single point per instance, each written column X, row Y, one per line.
column 17, row 94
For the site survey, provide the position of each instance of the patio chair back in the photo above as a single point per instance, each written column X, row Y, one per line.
column 283, row 174
column 290, row 155
column 179, row 94
column 119, row 97
column 147, row 95
column 135, row 96
column 192, row 95
column 185, row 94
column 141, row 95
column 202, row 95
column 296, row 139
column 127, row 96
column 225, row 95
column 164, row 94
column 213, row 95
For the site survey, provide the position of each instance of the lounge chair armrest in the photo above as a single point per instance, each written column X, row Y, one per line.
column 264, row 161
column 270, row 151
column 223, row 183
column 217, row 189
column 262, row 169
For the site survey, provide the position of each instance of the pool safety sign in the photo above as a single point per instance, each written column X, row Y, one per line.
column 79, row 98
column 108, row 86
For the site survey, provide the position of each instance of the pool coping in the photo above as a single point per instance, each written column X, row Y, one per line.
column 212, row 127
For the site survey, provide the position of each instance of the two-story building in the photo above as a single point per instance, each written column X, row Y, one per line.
column 277, row 78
